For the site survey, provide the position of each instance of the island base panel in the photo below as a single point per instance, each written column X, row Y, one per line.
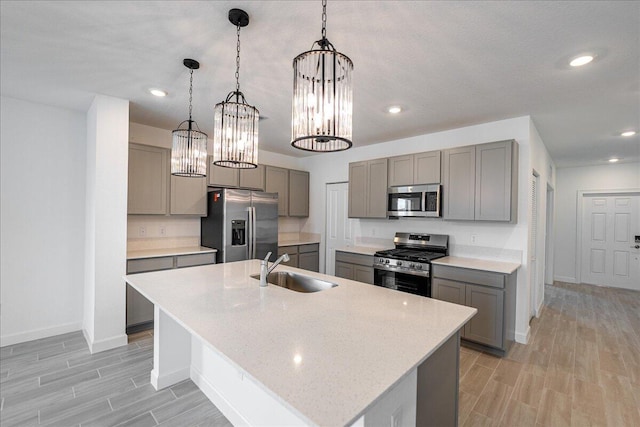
column 438, row 379
column 236, row 395
column 172, row 351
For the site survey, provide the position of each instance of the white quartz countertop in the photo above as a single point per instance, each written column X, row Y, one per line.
column 478, row 264
column 155, row 253
column 328, row 356
column 361, row 250
column 299, row 241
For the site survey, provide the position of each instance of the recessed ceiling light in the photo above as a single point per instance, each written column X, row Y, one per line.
column 628, row 133
column 394, row 109
column 158, row 92
column 613, row 160
column 581, row 60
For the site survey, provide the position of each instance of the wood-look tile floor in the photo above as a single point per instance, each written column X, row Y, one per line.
column 580, row 368
column 57, row 382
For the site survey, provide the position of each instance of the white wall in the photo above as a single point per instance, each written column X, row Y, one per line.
column 42, row 220
column 492, row 240
column 569, row 182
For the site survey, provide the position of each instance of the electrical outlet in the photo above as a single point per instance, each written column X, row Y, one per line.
column 163, row 230
column 474, row 238
column 142, row 231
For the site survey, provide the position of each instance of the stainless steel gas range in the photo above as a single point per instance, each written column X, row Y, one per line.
column 407, row 267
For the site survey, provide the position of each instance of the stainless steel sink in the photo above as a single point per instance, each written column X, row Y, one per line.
column 296, row 282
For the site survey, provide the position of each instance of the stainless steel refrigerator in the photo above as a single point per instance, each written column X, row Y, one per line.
column 240, row 224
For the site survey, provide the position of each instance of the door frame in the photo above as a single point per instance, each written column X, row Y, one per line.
column 326, row 221
column 581, row 195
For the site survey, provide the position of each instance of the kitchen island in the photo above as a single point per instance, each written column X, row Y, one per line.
column 352, row 354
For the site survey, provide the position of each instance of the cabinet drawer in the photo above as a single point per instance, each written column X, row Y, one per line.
column 149, row 264
column 195, row 259
column 479, row 277
column 352, row 258
column 291, row 250
column 313, row 247
column 344, row 270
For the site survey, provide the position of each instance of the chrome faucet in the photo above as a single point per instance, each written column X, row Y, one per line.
column 265, row 269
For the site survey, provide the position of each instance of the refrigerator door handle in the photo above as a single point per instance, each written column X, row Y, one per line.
column 249, row 232
column 254, row 232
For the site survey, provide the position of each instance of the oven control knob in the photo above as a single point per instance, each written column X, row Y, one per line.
column 399, row 263
column 419, row 266
column 412, row 265
column 386, row 261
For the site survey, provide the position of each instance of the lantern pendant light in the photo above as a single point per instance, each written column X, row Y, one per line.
column 189, row 147
column 322, row 106
column 235, row 122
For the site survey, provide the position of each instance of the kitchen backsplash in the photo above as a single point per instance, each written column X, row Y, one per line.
column 159, row 232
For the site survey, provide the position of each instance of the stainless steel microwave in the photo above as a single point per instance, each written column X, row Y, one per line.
column 414, row 201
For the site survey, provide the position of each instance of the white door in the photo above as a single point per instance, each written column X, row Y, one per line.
column 610, row 225
column 338, row 229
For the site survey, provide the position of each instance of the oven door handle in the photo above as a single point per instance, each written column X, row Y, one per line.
column 421, row 273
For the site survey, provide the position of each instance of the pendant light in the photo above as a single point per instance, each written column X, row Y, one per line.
column 322, row 97
column 235, row 122
column 189, row 147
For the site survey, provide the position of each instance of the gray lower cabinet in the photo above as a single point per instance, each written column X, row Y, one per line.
column 354, row 266
column 139, row 309
column 306, row 256
column 493, row 294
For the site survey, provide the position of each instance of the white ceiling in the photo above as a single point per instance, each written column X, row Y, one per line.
column 448, row 63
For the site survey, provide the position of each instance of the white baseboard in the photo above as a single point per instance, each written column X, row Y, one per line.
column 523, row 338
column 217, row 399
column 565, row 279
column 105, row 344
column 167, row 380
column 36, row 334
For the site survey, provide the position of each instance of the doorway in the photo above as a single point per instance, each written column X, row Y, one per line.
column 338, row 229
column 533, row 247
column 609, row 226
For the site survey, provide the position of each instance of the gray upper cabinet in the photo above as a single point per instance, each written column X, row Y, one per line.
column 368, row 189
column 377, row 202
column 358, row 180
column 188, row 196
column 148, row 180
column 481, row 182
column 426, row 167
column 218, row 176
column 496, row 181
column 401, row 170
column 277, row 181
column 414, row 169
column 459, row 177
column 298, row 193
column 252, row 178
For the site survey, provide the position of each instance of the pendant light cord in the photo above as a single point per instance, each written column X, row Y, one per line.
column 190, row 96
column 324, row 19
column 238, row 62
